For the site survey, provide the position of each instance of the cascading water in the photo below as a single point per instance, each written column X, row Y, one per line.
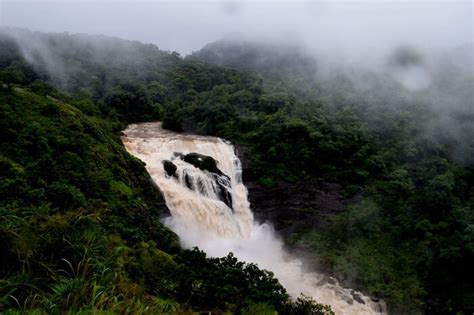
column 201, row 180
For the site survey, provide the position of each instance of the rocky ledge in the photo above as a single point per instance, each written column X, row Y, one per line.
column 207, row 164
column 295, row 206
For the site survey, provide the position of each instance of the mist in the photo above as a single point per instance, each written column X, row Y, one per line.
column 390, row 52
column 341, row 36
column 349, row 29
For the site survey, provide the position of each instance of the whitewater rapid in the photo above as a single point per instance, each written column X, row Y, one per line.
column 202, row 216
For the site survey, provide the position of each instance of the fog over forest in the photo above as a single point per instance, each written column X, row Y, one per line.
column 328, row 142
column 425, row 46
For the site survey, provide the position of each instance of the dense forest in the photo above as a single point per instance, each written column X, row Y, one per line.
column 80, row 226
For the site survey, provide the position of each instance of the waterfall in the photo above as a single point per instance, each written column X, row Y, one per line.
column 200, row 178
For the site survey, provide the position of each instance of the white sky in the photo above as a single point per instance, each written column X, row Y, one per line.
column 185, row 26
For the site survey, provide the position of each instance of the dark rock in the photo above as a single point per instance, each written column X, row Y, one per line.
column 332, row 280
column 191, row 183
column 222, row 181
column 347, row 299
column 207, row 163
column 292, row 207
column 170, row 168
column 374, row 299
column 323, row 281
column 341, row 278
column 224, row 189
column 357, row 297
column 202, row 162
column 188, row 181
column 248, row 175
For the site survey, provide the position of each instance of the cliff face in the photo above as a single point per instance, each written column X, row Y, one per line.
column 292, row 207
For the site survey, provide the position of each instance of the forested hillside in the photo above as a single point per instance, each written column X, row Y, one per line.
column 402, row 159
column 80, row 224
column 80, row 220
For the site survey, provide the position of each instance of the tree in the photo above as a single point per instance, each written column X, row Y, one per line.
column 9, row 77
column 41, row 88
column 131, row 101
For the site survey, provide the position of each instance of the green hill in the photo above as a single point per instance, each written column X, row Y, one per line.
column 80, row 226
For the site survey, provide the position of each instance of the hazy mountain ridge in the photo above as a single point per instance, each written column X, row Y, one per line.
column 267, row 58
column 439, row 87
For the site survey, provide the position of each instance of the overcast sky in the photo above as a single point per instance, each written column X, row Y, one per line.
column 186, row 26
